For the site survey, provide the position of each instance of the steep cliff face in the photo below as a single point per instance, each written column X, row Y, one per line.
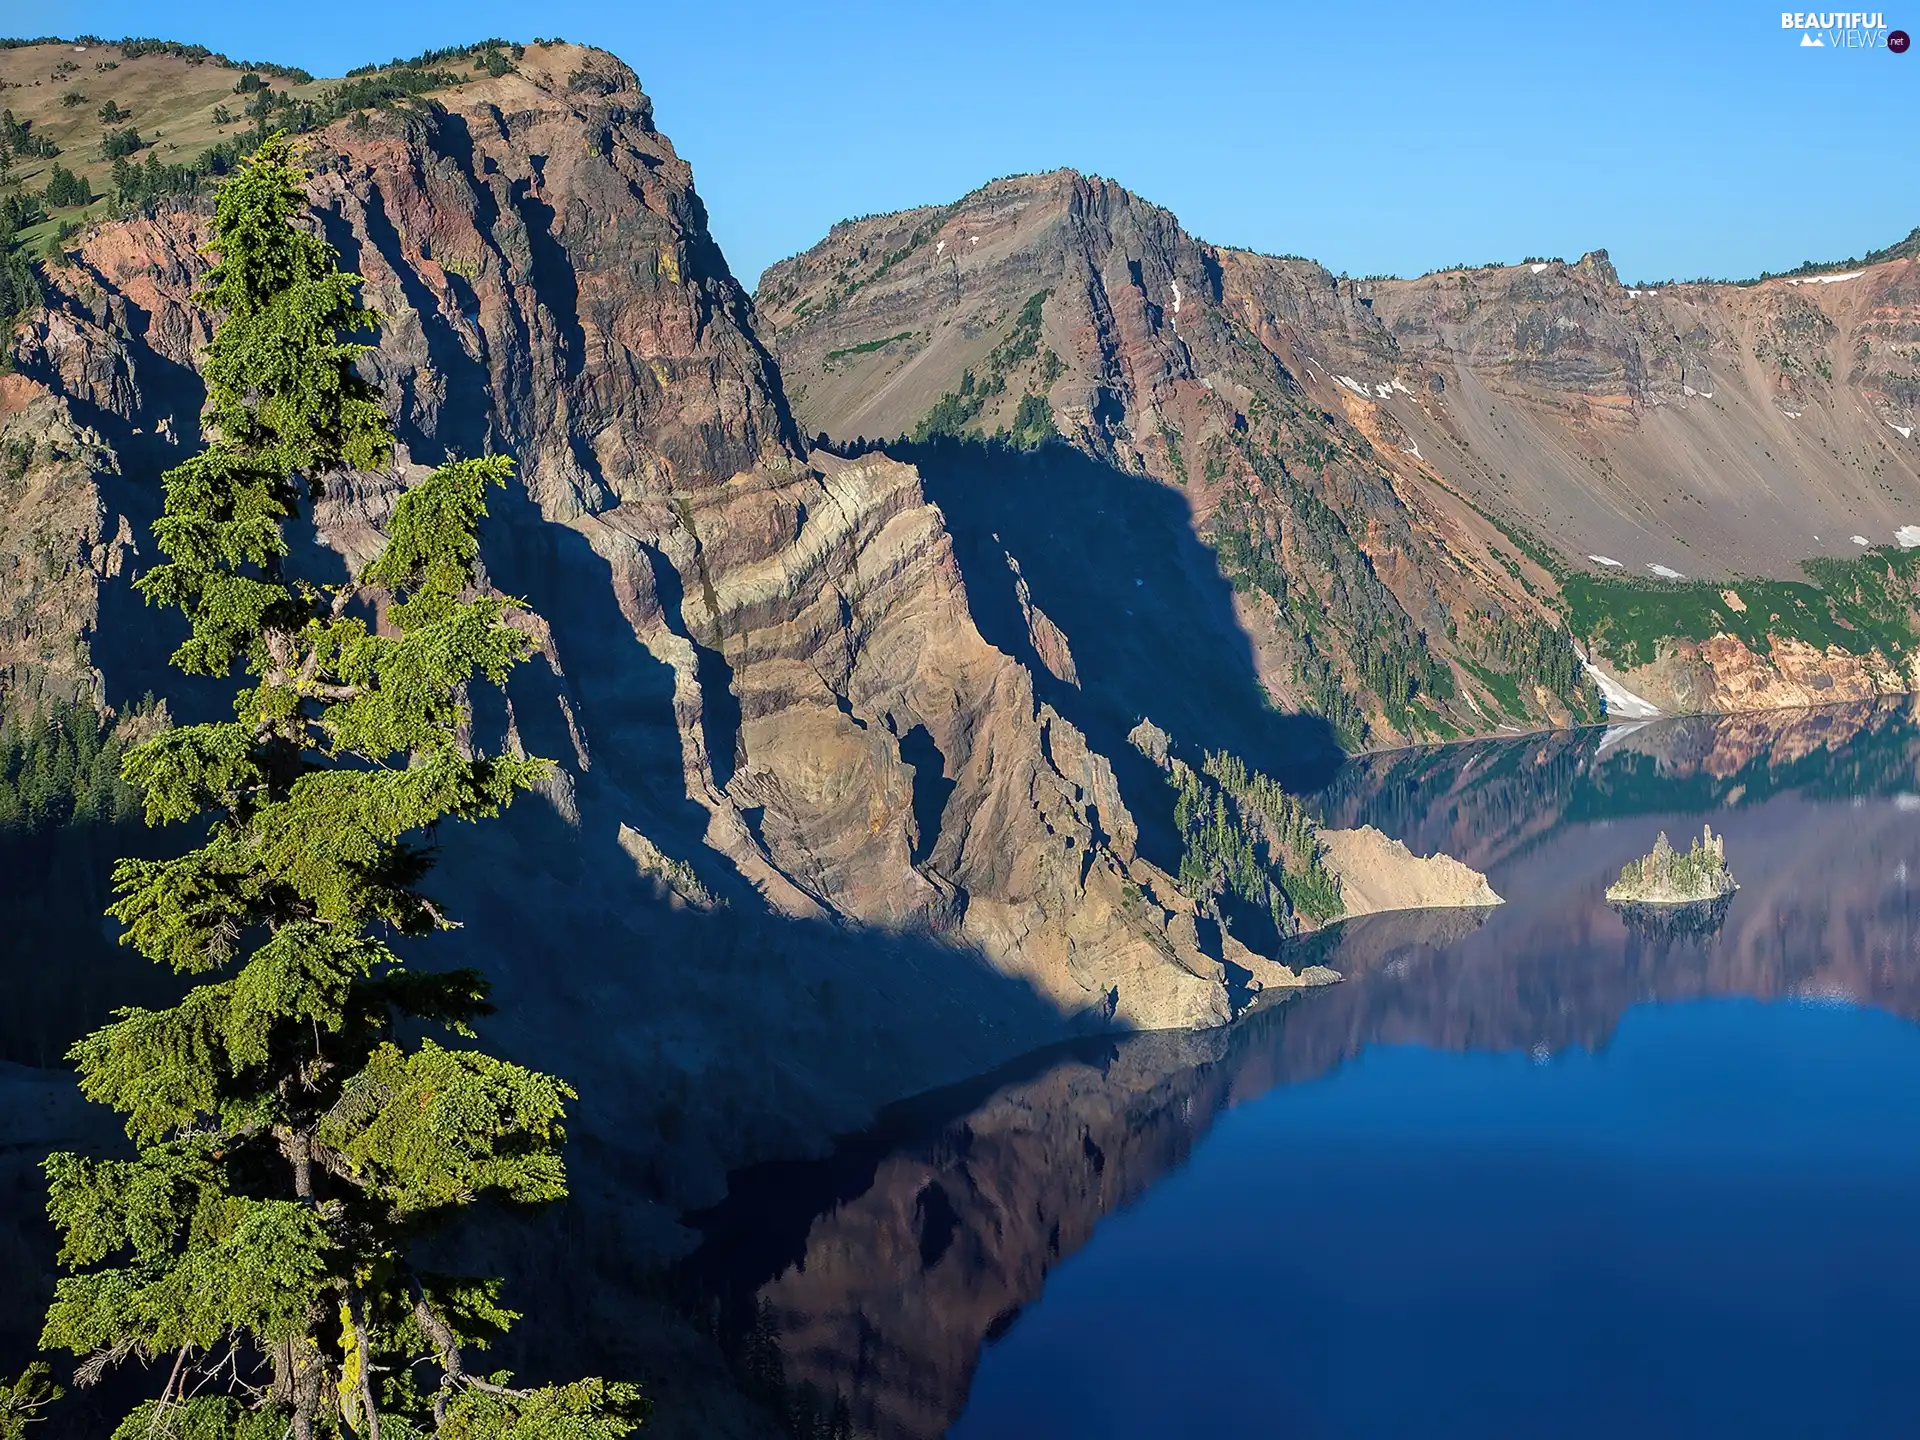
column 1371, row 593
column 805, row 792
column 1425, row 463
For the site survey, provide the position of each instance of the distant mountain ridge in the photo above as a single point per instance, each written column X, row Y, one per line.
column 1458, row 470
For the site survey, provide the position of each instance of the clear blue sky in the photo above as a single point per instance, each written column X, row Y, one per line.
column 1687, row 139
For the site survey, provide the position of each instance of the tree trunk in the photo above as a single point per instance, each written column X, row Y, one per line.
column 447, row 1352
column 356, row 1317
column 310, row 1377
column 299, row 1148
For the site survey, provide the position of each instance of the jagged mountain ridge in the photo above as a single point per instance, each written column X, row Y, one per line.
column 1711, row 430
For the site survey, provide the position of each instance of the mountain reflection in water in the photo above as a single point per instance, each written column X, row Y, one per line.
column 882, row 1271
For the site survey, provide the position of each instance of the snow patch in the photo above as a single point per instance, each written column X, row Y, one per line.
column 1400, row 386
column 1859, row 539
column 1907, row 537
column 939, row 249
column 1793, row 414
column 1176, row 299
column 1702, row 394
column 1607, row 560
column 1475, row 704
column 1355, row 386
column 1413, row 449
column 1383, row 391
column 1905, row 432
column 1536, row 268
column 1827, row 279
column 1665, row 572
column 1619, row 700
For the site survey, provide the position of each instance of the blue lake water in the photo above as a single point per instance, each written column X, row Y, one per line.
column 1535, row 1170
column 1706, row 1229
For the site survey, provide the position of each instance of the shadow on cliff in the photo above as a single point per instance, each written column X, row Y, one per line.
column 1112, row 559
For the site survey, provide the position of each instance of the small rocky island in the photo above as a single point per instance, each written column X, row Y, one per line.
column 1666, row 877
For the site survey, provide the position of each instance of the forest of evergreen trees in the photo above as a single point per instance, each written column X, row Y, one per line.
column 1244, row 837
column 65, row 814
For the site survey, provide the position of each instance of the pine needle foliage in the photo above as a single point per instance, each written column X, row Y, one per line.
column 1241, row 834
column 295, row 1143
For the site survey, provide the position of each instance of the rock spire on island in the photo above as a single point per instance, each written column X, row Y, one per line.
column 1666, row 877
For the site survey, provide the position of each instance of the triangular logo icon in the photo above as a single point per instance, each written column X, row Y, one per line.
column 1807, row 42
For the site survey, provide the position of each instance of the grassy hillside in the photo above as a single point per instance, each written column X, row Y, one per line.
column 1862, row 605
column 92, row 128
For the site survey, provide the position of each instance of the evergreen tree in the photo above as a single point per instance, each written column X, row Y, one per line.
column 294, row 1143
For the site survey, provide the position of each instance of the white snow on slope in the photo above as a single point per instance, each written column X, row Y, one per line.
column 1619, row 699
column 1907, row 537
column 1355, row 386
column 1536, row 268
column 1827, row 279
column 1666, row 572
column 1607, row 560
column 1905, row 432
column 1176, row 298
column 939, row 249
column 1859, row 539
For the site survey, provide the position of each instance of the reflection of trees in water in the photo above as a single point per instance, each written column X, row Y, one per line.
column 1487, row 800
column 894, row 1271
column 1665, row 924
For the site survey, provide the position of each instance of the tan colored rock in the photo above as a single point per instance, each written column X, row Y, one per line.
column 1723, row 674
column 1377, row 873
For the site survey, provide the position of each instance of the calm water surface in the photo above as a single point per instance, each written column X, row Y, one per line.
column 1528, row 1171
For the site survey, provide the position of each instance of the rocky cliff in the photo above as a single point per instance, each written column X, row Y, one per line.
column 795, row 748
column 1420, row 488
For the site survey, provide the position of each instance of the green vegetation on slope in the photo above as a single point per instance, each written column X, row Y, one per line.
column 1325, row 593
column 955, row 412
column 42, row 205
column 65, row 813
column 866, row 347
column 61, row 767
column 1861, row 605
column 1243, row 835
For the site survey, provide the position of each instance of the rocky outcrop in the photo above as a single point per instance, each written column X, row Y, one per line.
column 799, row 794
column 1666, row 877
column 759, row 659
column 1724, row 674
column 1378, row 873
